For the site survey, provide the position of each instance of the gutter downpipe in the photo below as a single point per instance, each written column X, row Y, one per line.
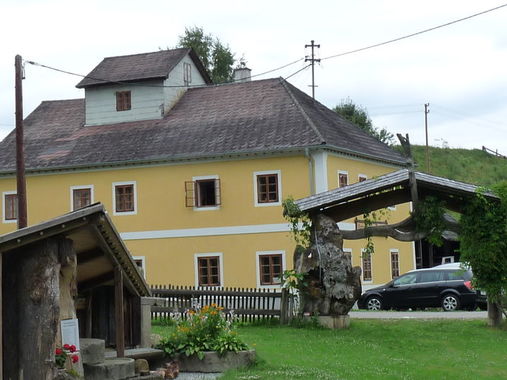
column 311, row 175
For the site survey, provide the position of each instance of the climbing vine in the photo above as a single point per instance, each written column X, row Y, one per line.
column 483, row 241
column 370, row 219
column 299, row 222
column 429, row 217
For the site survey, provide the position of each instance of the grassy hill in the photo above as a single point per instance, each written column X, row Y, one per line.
column 472, row 166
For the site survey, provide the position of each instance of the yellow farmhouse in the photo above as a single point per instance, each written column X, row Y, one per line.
column 194, row 174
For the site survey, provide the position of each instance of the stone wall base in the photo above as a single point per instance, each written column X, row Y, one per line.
column 212, row 362
column 334, row 322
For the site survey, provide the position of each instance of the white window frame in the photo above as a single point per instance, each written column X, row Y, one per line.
column 338, row 172
column 391, row 251
column 362, row 270
column 258, row 254
column 134, row 183
column 279, row 186
column 359, row 176
column 72, row 188
column 187, row 73
column 391, row 208
column 143, row 263
column 203, row 178
column 220, row 264
column 3, row 207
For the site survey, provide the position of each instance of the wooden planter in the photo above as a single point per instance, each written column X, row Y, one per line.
column 212, row 362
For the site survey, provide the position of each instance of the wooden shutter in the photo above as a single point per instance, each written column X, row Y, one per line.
column 189, row 193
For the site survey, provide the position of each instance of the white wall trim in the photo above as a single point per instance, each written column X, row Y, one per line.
column 320, row 160
column 220, row 264
column 216, row 231
column 205, row 177
column 71, row 190
column 3, row 207
column 114, row 197
column 279, row 177
column 258, row 270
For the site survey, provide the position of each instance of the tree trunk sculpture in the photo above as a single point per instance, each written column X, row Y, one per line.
column 333, row 285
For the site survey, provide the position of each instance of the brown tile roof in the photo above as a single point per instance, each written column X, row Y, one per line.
column 145, row 66
column 254, row 117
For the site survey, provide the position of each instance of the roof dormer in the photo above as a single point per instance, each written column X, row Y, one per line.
column 140, row 86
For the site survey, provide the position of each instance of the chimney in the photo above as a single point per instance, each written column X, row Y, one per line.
column 241, row 74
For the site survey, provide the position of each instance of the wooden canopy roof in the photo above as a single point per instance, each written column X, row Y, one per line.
column 388, row 190
column 97, row 243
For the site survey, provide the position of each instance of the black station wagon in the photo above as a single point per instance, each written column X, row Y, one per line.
column 448, row 286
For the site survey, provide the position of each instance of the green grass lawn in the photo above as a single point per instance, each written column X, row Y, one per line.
column 376, row 350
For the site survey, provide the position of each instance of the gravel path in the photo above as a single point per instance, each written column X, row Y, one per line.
column 418, row 315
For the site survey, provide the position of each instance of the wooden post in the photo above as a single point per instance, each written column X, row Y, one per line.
column 1, row 318
column 118, row 303
column 20, row 154
column 284, row 306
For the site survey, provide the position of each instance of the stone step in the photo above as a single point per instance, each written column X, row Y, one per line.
column 92, row 350
column 110, row 369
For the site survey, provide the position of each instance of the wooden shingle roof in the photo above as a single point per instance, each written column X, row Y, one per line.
column 257, row 117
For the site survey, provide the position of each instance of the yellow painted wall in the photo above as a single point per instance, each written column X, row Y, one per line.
column 161, row 207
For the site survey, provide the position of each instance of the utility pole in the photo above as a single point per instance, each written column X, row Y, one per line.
column 426, row 112
column 20, row 154
column 312, row 60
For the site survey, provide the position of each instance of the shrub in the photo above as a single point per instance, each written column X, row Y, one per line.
column 206, row 329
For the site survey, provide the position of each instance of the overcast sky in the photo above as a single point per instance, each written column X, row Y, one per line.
column 460, row 69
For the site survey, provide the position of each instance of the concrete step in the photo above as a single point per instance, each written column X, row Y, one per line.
column 92, row 350
column 110, row 369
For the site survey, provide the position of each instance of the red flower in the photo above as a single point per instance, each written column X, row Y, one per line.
column 66, row 346
column 72, row 348
column 74, row 358
column 58, row 351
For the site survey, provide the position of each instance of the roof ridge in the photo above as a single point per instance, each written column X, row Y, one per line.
column 150, row 52
column 300, row 108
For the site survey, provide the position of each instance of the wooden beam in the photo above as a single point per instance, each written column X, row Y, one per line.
column 86, row 257
column 1, row 317
column 357, row 207
column 95, row 282
column 118, row 310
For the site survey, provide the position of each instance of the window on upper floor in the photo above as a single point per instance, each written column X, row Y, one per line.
column 187, row 73
column 267, row 188
column 203, row 192
column 125, row 199
column 208, row 271
column 362, row 177
column 82, row 196
column 10, row 207
column 343, row 178
column 270, row 268
column 140, row 261
column 123, row 101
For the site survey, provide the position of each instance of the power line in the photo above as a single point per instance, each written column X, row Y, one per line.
column 415, row 34
column 148, row 85
column 305, row 67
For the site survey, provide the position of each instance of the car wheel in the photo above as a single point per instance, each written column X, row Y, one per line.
column 374, row 303
column 450, row 302
column 483, row 307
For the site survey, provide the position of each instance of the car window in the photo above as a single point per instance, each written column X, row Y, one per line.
column 431, row 276
column 406, row 279
column 459, row 274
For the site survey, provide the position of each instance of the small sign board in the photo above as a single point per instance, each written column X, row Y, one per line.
column 70, row 332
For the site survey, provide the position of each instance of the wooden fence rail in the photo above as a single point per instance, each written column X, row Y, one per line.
column 243, row 303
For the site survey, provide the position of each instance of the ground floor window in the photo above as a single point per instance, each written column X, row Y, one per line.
column 366, row 264
column 208, row 269
column 395, row 264
column 270, row 269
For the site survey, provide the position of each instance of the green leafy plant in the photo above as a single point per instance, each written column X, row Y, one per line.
column 206, row 329
column 300, row 222
column 293, row 280
column 429, row 218
column 483, row 241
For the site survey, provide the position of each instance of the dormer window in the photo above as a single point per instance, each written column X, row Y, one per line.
column 123, row 101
